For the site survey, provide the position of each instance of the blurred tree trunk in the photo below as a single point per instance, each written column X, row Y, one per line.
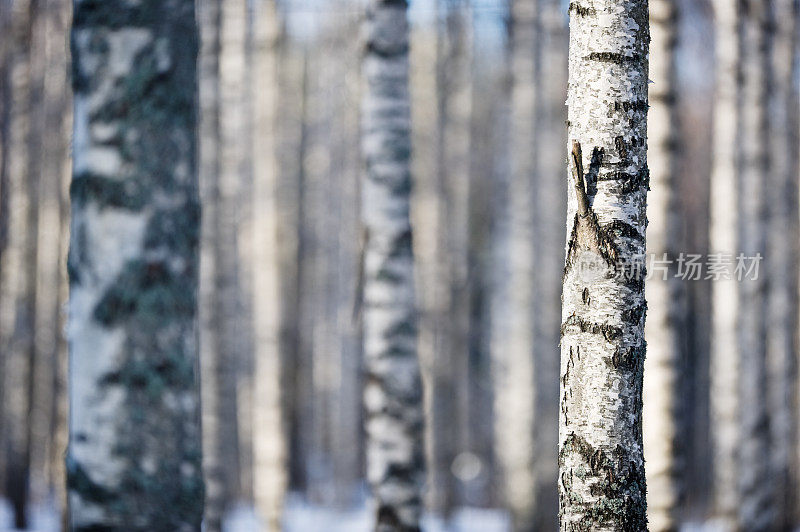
column 782, row 247
column 662, row 371
column 18, row 269
column 724, row 193
column 222, row 152
column 59, row 122
column 134, row 453
column 602, row 477
column 755, row 506
column 550, row 237
column 343, row 271
column 269, row 440
column 449, row 419
column 393, row 391
column 514, row 369
column 53, row 134
column 426, row 215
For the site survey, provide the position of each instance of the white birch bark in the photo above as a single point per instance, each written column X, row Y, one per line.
column 513, row 370
column 393, row 392
column 134, row 456
column 724, row 363
column 269, row 440
column 755, row 488
column 602, row 478
column 663, row 327
column 783, row 235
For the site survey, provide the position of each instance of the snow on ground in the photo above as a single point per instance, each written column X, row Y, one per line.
column 43, row 518
column 303, row 517
column 300, row 516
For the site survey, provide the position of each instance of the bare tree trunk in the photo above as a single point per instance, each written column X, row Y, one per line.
column 602, row 477
column 134, row 456
column 782, row 247
column 550, row 237
column 514, row 366
column 393, row 391
column 269, row 440
column 218, row 309
column 755, row 489
column 724, row 364
column 18, row 270
column 664, row 326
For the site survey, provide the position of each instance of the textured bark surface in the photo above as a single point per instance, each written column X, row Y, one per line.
column 665, row 308
column 513, row 364
column 393, row 392
column 754, row 480
column 134, row 450
column 724, row 363
column 602, row 477
column 783, row 234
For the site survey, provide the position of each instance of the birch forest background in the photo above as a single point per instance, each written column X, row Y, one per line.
column 351, row 265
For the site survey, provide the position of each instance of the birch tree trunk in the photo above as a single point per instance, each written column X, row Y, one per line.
column 783, row 235
column 724, row 364
column 665, row 312
column 602, row 477
column 18, row 269
column 753, row 477
column 393, row 392
column 218, row 412
column 514, row 372
column 269, row 440
column 134, row 457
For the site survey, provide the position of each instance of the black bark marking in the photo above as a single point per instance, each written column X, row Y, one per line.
column 637, row 105
column 582, row 11
column 586, row 233
column 613, row 57
column 607, row 331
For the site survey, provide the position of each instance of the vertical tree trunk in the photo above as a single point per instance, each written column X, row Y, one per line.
column 664, row 296
column 134, row 456
column 219, row 428
column 724, row 364
column 755, row 487
column 18, row 270
column 393, row 392
column 269, row 442
column 782, row 248
column 514, row 370
column 550, row 236
column 602, row 478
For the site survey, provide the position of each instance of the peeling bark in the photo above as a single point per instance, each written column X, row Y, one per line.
column 602, row 478
column 134, row 458
column 393, row 391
